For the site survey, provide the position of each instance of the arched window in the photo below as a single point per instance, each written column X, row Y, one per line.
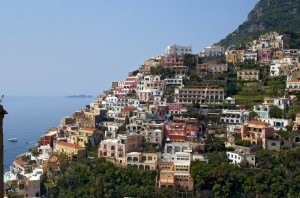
column 149, row 157
column 135, row 167
column 135, row 159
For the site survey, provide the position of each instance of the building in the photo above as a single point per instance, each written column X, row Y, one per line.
column 182, row 129
column 293, row 85
column 275, row 69
column 234, row 56
column 172, row 60
column 248, row 74
column 86, row 136
column 276, row 123
column 257, row 132
column 214, row 50
column 262, row 111
column 175, row 175
column 234, row 116
column 281, row 103
column 69, row 149
column 297, row 122
column 141, row 161
column 237, row 157
column 250, row 57
column 264, row 56
column 229, row 100
column 48, row 138
column 173, row 82
column 22, row 167
column 201, row 95
column 178, row 50
column 203, row 69
column 30, row 185
column 117, row 149
column 175, row 108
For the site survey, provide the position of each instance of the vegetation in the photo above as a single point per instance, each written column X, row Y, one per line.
column 276, row 175
column 268, row 15
column 245, row 143
column 162, row 71
column 102, row 179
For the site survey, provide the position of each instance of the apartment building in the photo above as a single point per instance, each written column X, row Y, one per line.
column 182, row 129
column 71, row 150
column 234, row 116
column 118, row 148
column 178, row 50
column 248, row 74
column 141, row 161
column 257, row 132
column 201, row 95
column 214, row 50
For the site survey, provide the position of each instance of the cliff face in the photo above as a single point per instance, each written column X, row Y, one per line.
column 267, row 16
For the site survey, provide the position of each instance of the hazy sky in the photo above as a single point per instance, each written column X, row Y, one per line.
column 63, row 47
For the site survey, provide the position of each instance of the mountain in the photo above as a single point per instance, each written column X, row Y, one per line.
column 267, row 16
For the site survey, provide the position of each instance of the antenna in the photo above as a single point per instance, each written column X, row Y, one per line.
column 2, row 97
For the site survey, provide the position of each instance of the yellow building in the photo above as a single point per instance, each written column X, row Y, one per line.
column 71, row 150
column 142, row 161
column 234, row 56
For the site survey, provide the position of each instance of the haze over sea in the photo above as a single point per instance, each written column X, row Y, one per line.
column 29, row 117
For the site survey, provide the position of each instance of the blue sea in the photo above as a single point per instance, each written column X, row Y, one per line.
column 29, row 117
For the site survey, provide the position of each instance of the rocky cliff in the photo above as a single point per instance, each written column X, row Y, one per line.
column 267, row 16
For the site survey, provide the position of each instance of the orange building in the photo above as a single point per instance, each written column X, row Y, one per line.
column 257, row 132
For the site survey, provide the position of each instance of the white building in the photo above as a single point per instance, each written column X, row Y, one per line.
column 293, row 52
column 214, row 50
column 177, row 147
column 238, row 157
column 32, row 185
column 229, row 100
column 174, row 82
column 109, row 102
column 293, row 85
column 275, row 69
column 111, row 129
column 262, row 111
column 277, row 123
column 234, row 116
column 250, row 56
column 178, row 49
column 281, row 103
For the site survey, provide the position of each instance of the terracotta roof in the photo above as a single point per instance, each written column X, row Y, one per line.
column 88, row 129
column 68, row 144
column 21, row 162
column 258, row 122
column 129, row 109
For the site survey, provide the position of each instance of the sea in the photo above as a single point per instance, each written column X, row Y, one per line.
column 29, row 117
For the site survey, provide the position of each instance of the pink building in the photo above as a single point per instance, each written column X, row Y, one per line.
column 175, row 108
column 131, row 82
column 116, row 149
column 172, row 60
column 144, row 95
column 257, row 132
column 182, row 129
column 162, row 110
column 264, row 56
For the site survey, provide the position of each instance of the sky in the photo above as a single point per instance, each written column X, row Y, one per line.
column 66, row 47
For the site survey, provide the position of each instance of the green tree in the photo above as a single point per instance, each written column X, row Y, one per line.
column 276, row 112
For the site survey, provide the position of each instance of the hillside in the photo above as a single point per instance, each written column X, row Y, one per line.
column 268, row 15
